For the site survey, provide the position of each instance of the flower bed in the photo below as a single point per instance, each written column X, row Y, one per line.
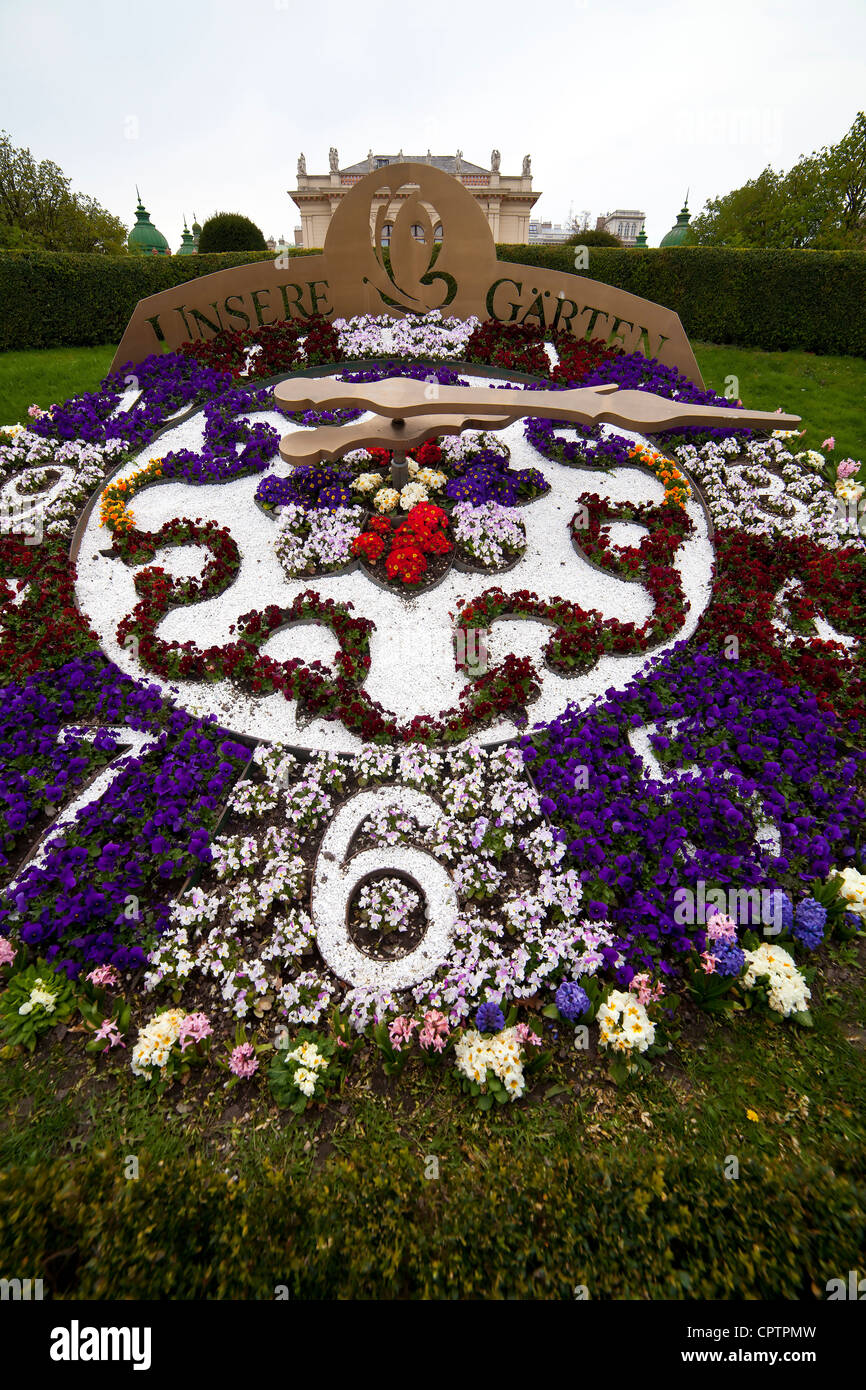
column 408, row 864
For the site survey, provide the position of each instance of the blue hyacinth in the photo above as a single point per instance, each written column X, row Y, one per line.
column 779, row 910
column 489, row 1018
column 730, row 959
column 571, row 1000
column 809, row 921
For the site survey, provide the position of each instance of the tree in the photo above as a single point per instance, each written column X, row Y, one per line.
column 820, row 203
column 845, row 170
column 38, row 209
column 230, row 231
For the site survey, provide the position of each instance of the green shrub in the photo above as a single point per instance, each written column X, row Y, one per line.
column 648, row 1227
column 63, row 299
column 230, row 231
column 592, row 237
column 766, row 299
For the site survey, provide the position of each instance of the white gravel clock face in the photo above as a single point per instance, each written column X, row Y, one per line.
column 413, row 669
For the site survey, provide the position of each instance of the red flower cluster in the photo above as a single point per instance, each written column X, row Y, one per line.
column 423, row 533
column 750, row 571
column 519, row 347
column 45, row 628
column 428, row 455
column 280, row 344
column 578, row 357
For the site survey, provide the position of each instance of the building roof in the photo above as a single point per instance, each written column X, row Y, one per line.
column 187, row 244
column 446, row 162
column 680, row 231
column 144, row 236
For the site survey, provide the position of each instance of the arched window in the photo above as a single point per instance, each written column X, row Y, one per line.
column 437, row 232
column 386, row 233
column 417, row 231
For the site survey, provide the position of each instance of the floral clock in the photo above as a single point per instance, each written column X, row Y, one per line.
column 549, row 731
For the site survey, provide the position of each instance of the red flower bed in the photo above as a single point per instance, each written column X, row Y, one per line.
column 750, row 570
column 45, row 629
column 280, row 343
column 519, row 347
column 423, row 533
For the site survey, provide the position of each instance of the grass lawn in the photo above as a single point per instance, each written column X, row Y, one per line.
column 629, row 1191
column 47, row 376
column 828, row 392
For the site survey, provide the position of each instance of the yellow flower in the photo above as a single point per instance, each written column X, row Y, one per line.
column 752, row 1115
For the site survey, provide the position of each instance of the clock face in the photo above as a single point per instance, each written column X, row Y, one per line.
column 576, row 540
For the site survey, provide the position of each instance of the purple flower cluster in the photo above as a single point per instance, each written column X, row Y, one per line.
column 167, row 382
column 101, row 889
column 312, row 418
column 637, row 843
column 313, row 486
column 632, row 372
column 415, row 371
column 486, row 477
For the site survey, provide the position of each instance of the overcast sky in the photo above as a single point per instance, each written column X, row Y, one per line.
column 206, row 104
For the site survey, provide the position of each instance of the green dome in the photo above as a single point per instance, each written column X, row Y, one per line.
column 187, row 245
column 144, row 237
column 678, row 234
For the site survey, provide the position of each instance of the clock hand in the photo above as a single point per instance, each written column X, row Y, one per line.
column 330, row 442
column 400, row 397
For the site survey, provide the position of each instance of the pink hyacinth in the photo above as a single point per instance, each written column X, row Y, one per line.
column 847, row 468
column 524, row 1034
column 721, row 928
column 110, row 1033
column 435, row 1031
column 400, row 1031
column 646, row 991
column 243, row 1061
column 193, row 1029
column 709, row 963
column 7, row 951
column 104, row 977
column 829, row 443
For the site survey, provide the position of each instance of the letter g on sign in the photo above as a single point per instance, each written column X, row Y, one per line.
column 336, row 876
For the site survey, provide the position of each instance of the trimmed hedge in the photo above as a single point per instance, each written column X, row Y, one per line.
column 642, row 1227
column 768, row 299
column 64, row 299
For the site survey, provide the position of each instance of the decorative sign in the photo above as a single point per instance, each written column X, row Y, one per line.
column 459, row 275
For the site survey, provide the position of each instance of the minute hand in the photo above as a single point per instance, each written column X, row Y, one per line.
column 398, row 397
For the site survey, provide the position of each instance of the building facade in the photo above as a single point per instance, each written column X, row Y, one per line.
column 625, row 223
column 547, row 233
column 507, row 199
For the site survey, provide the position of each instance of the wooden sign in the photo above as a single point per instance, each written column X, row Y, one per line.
column 459, row 275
